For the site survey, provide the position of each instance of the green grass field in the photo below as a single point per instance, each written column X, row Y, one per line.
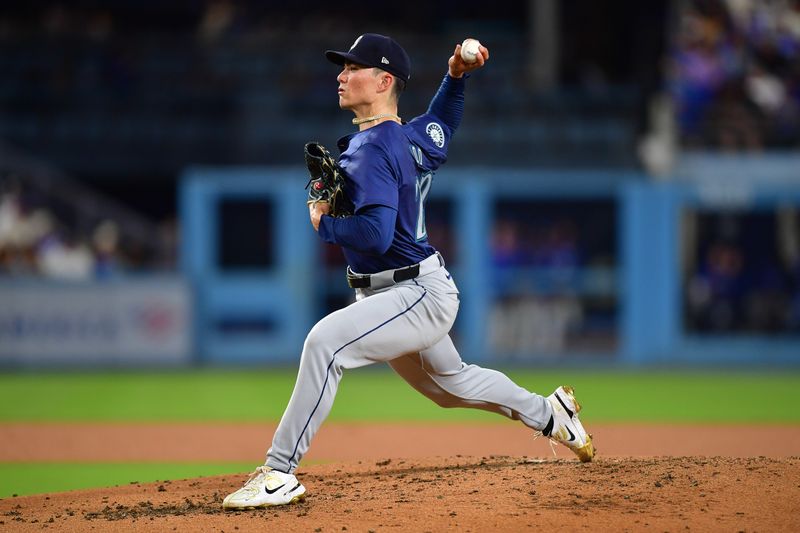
column 364, row 395
column 34, row 478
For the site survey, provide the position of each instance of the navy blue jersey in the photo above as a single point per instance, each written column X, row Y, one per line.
column 392, row 165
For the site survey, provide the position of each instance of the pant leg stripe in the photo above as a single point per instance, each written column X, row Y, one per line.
column 328, row 370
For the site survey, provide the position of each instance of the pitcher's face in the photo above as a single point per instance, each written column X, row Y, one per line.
column 358, row 85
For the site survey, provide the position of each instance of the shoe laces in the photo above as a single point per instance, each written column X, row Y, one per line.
column 550, row 441
column 255, row 477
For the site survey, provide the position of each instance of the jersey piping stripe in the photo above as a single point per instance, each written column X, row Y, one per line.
column 328, row 370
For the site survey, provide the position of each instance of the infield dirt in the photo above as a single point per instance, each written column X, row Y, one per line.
column 636, row 491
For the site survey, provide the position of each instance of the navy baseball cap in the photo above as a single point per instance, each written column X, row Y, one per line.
column 373, row 50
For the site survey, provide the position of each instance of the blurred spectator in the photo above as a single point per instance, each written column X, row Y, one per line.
column 700, row 61
column 21, row 232
column 508, row 253
column 732, row 120
column 767, row 307
column 554, row 269
column 716, row 289
column 557, row 253
column 9, row 217
column 14, row 257
column 169, row 243
column 747, row 278
column 536, row 307
column 105, row 241
column 68, row 258
column 736, row 73
column 44, row 234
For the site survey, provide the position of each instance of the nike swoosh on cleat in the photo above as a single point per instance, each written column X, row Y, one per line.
column 294, row 489
column 571, row 434
column 567, row 409
column 273, row 491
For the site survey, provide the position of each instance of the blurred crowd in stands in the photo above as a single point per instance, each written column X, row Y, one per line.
column 743, row 273
column 735, row 73
column 42, row 236
column 122, row 93
column 553, row 278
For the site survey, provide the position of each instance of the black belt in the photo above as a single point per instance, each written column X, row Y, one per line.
column 363, row 281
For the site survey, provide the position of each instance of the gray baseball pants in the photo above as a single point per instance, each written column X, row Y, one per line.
column 406, row 325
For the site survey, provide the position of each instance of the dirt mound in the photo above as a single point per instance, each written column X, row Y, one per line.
column 497, row 493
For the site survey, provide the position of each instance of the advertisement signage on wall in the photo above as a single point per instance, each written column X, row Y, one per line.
column 121, row 322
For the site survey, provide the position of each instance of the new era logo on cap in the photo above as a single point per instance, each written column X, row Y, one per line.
column 374, row 50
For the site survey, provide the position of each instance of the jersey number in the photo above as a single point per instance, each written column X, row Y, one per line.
column 423, row 188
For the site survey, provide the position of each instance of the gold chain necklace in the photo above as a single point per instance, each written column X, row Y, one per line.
column 358, row 121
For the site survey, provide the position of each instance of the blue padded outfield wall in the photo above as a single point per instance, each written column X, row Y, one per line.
column 261, row 313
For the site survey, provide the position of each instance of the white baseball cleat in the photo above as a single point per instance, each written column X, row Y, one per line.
column 266, row 488
column 566, row 429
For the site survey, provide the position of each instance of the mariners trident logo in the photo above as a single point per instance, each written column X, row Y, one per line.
column 436, row 134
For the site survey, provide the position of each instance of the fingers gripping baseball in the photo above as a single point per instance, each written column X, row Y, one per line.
column 458, row 66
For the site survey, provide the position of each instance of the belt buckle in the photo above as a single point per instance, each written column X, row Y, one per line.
column 354, row 280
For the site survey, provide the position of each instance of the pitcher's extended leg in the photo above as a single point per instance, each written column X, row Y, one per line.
column 441, row 375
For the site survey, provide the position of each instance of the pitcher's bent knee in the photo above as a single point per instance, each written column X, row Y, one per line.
column 443, row 398
column 324, row 339
column 447, row 401
column 316, row 346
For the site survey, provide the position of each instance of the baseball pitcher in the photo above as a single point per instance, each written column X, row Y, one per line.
column 371, row 202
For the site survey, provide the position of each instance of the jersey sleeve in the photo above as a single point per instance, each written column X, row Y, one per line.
column 432, row 132
column 368, row 232
column 448, row 102
column 432, row 137
column 372, row 180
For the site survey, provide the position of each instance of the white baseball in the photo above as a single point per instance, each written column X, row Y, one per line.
column 470, row 48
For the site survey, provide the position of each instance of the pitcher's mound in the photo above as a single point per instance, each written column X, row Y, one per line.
column 456, row 494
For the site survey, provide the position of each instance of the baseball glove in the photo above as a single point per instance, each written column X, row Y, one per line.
column 326, row 180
